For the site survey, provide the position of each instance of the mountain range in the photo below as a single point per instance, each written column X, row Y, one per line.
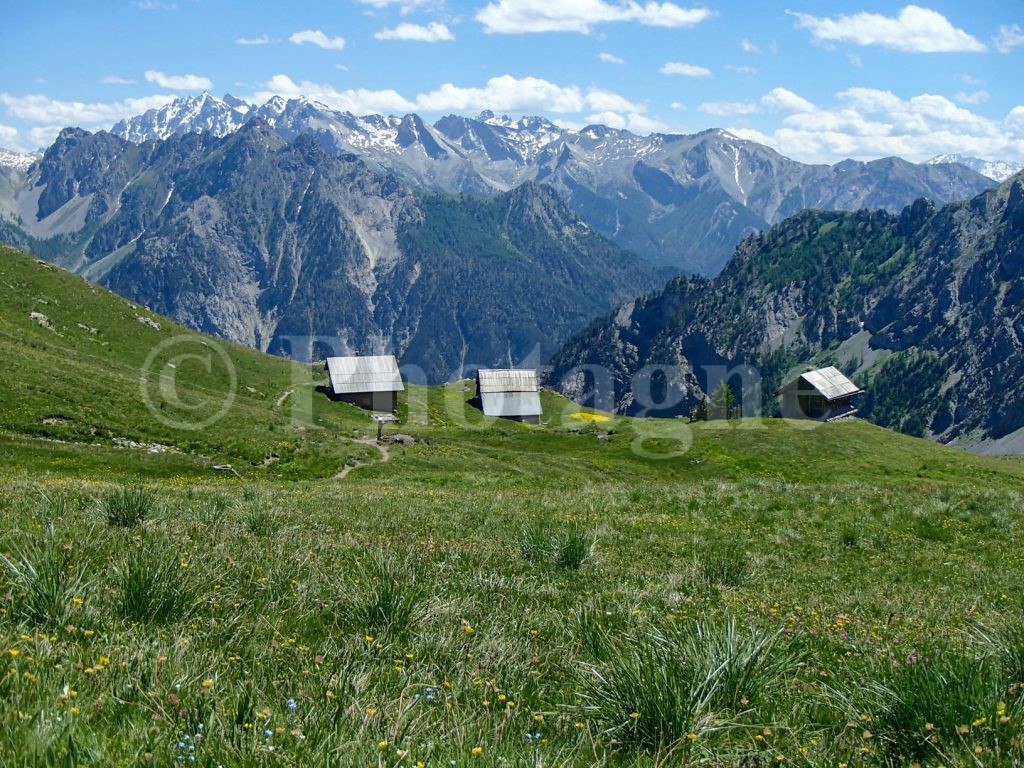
column 1000, row 170
column 679, row 201
column 925, row 308
column 273, row 242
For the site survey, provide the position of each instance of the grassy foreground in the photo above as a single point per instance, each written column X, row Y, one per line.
column 491, row 595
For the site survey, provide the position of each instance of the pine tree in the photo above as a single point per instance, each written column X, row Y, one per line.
column 722, row 401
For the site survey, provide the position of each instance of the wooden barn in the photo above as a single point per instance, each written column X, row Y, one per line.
column 822, row 394
column 372, row 382
column 509, row 393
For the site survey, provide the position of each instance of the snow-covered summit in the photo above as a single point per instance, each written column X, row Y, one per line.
column 1000, row 170
column 204, row 113
column 20, row 160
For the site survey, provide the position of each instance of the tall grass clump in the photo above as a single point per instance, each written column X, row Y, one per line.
column 390, row 596
column 656, row 689
column 925, row 709
column 574, row 547
column 724, row 563
column 535, row 541
column 153, row 587
column 260, row 521
column 127, row 506
column 568, row 549
column 45, row 584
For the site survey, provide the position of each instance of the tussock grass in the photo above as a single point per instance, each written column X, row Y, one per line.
column 568, row 547
column 127, row 506
column 662, row 688
column 389, row 596
column 44, row 584
column 261, row 521
column 724, row 563
column 154, row 585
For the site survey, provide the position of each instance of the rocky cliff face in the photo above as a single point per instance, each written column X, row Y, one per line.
column 277, row 243
column 681, row 201
column 925, row 308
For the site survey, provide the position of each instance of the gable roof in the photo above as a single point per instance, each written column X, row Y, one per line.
column 829, row 382
column 506, row 380
column 373, row 373
column 508, row 392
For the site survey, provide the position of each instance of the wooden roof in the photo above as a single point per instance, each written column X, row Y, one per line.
column 830, row 383
column 490, row 380
column 372, row 373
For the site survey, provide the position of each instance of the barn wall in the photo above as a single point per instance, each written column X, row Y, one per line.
column 385, row 402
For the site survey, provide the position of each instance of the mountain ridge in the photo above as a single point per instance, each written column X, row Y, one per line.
column 680, row 201
column 912, row 304
column 275, row 243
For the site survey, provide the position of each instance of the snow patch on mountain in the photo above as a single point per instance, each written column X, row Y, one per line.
column 20, row 160
column 193, row 114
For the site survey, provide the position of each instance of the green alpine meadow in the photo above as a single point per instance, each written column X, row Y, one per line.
column 206, row 561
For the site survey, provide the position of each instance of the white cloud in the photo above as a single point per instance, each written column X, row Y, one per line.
column 687, row 70
column 179, row 82
column 727, row 108
column 8, row 136
column 405, row 6
column 357, row 100
column 611, row 119
column 915, row 30
column 977, row 97
column 155, row 5
column 1008, row 38
column 610, row 58
column 520, row 16
column 783, row 100
column 318, row 38
column 505, row 93
column 745, row 71
column 43, row 135
column 431, row 33
column 968, row 80
column 867, row 123
column 1015, row 122
column 677, row 105
column 115, row 80
column 749, row 47
column 644, row 124
column 632, row 121
column 37, row 108
column 258, row 40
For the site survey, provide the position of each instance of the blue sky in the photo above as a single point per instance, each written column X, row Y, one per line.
column 820, row 81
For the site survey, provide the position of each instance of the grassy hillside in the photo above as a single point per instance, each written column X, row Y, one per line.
column 585, row 593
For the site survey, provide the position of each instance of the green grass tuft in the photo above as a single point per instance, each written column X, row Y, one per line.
column 44, row 583
column 154, row 586
column 127, row 506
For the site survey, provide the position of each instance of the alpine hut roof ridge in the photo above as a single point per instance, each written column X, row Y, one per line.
column 507, row 380
column 372, row 373
column 830, row 382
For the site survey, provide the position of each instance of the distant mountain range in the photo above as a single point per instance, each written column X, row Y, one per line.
column 270, row 242
column 680, row 201
column 926, row 308
column 18, row 160
column 995, row 169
